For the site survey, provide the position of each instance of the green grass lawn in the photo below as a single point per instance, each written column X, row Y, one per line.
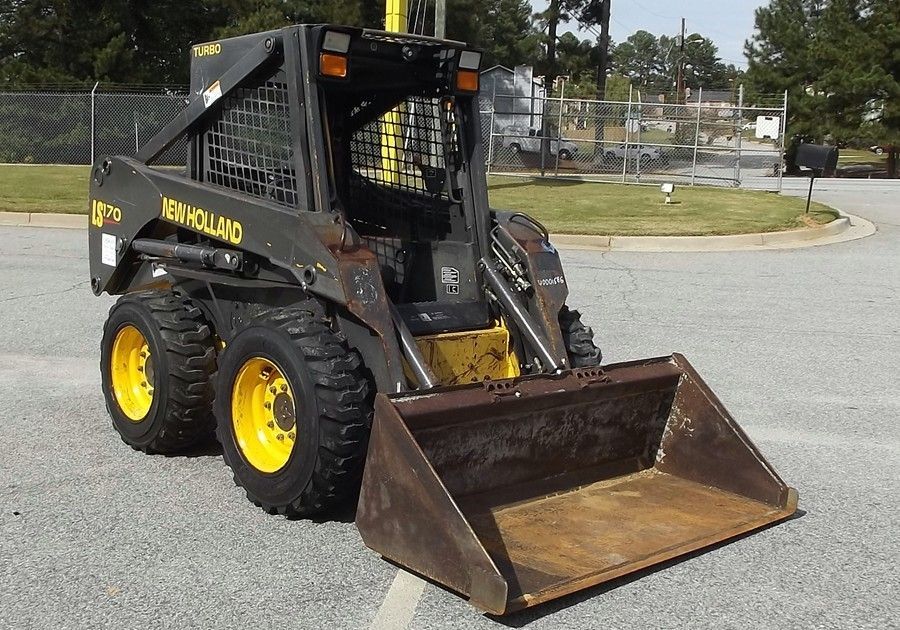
column 569, row 207
column 44, row 189
column 847, row 157
column 565, row 207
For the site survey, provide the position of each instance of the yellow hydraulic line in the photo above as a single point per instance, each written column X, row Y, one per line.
column 395, row 20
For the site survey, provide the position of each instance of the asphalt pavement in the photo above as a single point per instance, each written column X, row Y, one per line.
column 801, row 346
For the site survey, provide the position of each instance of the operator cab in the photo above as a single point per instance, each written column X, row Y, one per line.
column 398, row 114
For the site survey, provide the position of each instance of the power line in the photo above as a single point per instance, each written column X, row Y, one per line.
column 652, row 12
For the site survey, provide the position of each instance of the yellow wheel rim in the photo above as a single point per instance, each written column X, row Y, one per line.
column 263, row 415
column 131, row 373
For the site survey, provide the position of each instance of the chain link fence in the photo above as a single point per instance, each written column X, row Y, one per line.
column 712, row 142
column 72, row 125
column 707, row 141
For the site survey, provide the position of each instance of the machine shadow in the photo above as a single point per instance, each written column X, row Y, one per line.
column 209, row 447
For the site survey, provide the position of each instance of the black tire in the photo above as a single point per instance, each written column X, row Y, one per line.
column 879, row 151
column 565, row 155
column 579, row 340
column 515, row 147
column 332, row 416
column 183, row 352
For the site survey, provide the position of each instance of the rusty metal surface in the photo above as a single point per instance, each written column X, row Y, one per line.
column 519, row 491
column 556, row 545
column 546, row 272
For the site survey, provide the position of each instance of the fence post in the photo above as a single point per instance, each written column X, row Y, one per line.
column 627, row 123
column 93, row 119
column 697, row 135
column 491, row 138
column 784, row 112
column 562, row 94
column 740, row 134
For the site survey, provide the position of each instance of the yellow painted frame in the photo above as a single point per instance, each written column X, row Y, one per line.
column 470, row 356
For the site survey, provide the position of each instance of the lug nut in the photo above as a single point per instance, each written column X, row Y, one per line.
column 273, row 390
column 270, row 424
column 284, row 388
column 268, row 405
column 281, row 437
column 292, row 435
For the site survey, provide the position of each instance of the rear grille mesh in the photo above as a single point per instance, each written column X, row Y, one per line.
column 248, row 146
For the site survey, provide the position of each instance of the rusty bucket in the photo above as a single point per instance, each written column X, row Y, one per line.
column 516, row 492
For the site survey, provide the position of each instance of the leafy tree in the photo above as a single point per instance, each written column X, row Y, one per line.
column 653, row 62
column 641, row 58
column 261, row 15
column 126, row 41
column 840, row 63
column 509, row 35
column 577, row 58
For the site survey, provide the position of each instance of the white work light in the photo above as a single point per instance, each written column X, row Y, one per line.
column 470, row 60
column 336, row 42
column 668, row 189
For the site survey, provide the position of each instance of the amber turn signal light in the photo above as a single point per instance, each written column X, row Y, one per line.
column 331, row 65
column 467, row 80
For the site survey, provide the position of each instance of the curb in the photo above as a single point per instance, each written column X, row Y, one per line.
column 41, row 219
column 845, row 228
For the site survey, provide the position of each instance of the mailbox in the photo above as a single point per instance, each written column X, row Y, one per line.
column 817, row 157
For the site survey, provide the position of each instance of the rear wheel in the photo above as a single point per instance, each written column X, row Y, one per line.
column 157, row 358
column 293, row 413
column 579, row 340
column 565, row 154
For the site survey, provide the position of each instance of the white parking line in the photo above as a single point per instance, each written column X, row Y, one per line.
column 400, row 603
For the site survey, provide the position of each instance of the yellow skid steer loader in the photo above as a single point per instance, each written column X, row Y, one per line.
column 326, row 287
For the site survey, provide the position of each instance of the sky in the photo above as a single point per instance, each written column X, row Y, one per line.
column 728, row 23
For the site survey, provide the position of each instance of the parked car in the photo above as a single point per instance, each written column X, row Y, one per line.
column 527, row 140
column 644, row 153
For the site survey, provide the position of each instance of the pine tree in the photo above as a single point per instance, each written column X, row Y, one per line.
column 840, row 63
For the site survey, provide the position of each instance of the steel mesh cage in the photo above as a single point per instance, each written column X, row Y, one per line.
column 248, row 146
column 398, row 165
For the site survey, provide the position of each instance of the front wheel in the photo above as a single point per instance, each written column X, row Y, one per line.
column 579, row 340
column 293, row 413
column 565, row 154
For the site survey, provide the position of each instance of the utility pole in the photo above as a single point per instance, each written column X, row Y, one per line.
column 679, row 84
column 552, row 25
column 605, row 10
column 603, row 66
column 549, row 80
column 440, row 19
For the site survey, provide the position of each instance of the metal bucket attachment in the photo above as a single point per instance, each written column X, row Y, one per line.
column 516, row 492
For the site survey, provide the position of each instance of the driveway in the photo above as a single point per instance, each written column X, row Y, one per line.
column 801, row 345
